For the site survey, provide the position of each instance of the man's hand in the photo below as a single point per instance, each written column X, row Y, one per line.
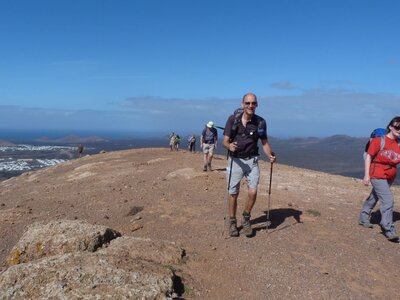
column 233, row 147
column 272, row 157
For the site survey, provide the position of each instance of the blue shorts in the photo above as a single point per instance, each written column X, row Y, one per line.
column 243, row 168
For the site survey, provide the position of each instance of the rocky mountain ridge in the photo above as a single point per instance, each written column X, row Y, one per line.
column 313, row 249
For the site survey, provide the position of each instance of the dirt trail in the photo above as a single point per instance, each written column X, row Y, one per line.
column 313, row 250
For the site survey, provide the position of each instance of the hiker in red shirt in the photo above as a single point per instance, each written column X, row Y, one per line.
column 380, row 170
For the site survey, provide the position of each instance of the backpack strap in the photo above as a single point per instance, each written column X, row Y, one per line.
column 235, row 126
column 238, row 118
column 260, row 126
column 382, row 142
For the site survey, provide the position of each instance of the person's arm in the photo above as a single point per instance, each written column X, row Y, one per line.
column 226, row 142
column 372, row 151
column 268, row 151
column 367, row 165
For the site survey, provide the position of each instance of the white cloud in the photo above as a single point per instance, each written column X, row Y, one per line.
column 328, row 112
column 312, row 113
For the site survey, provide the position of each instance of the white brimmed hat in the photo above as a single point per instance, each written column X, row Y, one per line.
column 210, row 124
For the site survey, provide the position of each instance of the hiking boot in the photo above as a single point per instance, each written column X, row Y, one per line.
column 233, row 231
column 366, row 224
column 209, row 166
column 205, row 168
column 247, row 230
column 391, row 236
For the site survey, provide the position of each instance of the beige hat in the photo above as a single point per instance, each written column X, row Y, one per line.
column 210, row 124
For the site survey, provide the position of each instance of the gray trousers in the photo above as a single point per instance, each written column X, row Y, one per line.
column 380, row 192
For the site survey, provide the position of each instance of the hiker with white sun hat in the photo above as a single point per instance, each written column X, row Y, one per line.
column 208, row 142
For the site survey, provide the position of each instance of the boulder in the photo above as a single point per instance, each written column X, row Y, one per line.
column 85, row 275
column 162, row 252
column 77, row 260
column 59, row 237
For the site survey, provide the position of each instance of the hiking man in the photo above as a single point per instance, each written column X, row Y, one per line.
column 177, row 142
column 241, row 135
column 80, row 150
column 172, row 138
column 208, row 141
column 192, row 143
column 380, row 168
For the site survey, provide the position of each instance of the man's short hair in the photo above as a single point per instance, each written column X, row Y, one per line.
column 249, row 94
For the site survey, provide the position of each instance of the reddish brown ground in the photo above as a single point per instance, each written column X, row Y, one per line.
column 313, row 250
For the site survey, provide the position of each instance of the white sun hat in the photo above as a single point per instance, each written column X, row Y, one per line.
column 210, row 124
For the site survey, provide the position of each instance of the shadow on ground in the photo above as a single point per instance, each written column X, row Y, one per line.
column 276, row 218
column 376, row 217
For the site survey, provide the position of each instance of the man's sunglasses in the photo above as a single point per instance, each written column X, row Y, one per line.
column 251, row 103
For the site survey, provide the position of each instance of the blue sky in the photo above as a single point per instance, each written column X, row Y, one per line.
column 318, row 67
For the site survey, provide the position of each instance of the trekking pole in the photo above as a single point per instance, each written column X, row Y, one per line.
column 269, row 195
column 226, row 218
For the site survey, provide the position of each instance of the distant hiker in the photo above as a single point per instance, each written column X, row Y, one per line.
column 241, row 135
column 380, row 168
column 192, row 143
column 172, row 137
column 80, row 150
column 177, row 141
column 208, row 142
